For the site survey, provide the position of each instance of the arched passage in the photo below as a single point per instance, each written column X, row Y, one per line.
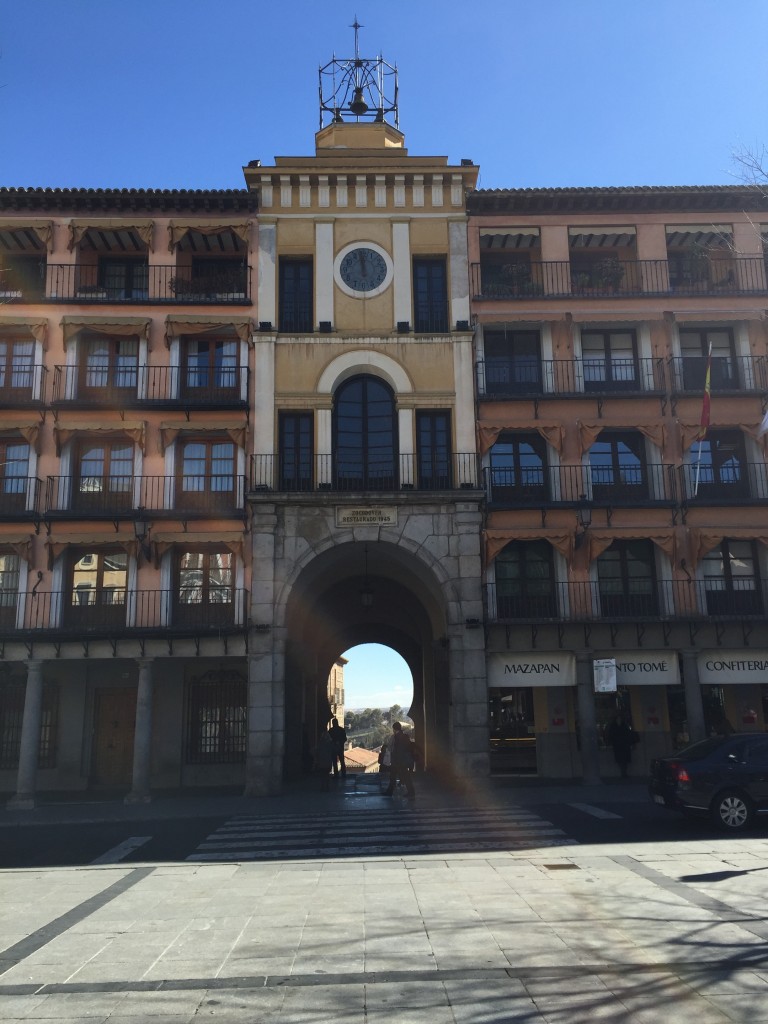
column 366, row 592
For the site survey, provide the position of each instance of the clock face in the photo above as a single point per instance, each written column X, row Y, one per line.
column 363, row 270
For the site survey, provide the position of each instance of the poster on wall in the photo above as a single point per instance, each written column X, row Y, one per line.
column 604, row 670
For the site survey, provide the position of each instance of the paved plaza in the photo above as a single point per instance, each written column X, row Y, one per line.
column 637, row 933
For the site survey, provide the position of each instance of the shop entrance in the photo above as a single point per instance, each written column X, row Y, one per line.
column 513, row 731
column 115, row 720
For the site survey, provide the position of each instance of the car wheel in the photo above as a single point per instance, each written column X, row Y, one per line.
column 732, row 811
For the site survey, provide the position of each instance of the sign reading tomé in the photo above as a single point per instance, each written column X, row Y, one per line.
column 554, row 669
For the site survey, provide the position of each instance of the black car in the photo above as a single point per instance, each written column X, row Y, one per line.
column 723, row 776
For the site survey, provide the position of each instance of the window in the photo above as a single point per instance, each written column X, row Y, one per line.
column 296, row 444
column 124, row 278
column 14, row 475
column 217, row 708
column 22, row 277
column 508, row 276
column 518, row 470
column 627, row 580
column 103, row 476
column 296, row 287
column 433, row 443
column 512, row 363
column 205, row 589
column 218, row 278
column 694, row 349
column 210, row 369
column 109, row 368
column 16, row 369
column 525, row 586
column 617, row 468
column 12, row 694
column 731, row 579
column 609, row 359
column 364, row 430
column 206, row 475
column 95, row 598
column 9, row 589
column 717, row 467
column 430, row 296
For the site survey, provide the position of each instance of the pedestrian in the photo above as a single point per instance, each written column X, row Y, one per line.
column 324, row 760
column 339, row 739
column 622, row 737
column 402, row 759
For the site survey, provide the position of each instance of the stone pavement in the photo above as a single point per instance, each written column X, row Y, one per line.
column 637, row 933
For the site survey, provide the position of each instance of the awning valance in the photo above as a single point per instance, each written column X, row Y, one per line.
column 64, row 430
column 497, row 540
column 91, row 542
column 232, row 540
column 178, row 325
column 36, row 327
column 589, row 431
column 599, row 541
column 178, row 229
column 27, row 426
column 19, row 543
column 690, row 429
column 236, row 431
column 702, row 541
column 705, row 316
column 121, row 326
column 488, row 433
column 43, row 229
column 78, row 229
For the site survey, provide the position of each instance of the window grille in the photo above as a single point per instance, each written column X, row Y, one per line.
column 11, row 717
column 216, row 719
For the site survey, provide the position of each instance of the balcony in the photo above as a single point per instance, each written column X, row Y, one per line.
column 680, row 600
column 19, row 498
column 310, row 473
column 614, row 278
column 728, row 374
column 119, row 613
column 128, row 497
column 736, row 483
column 501, row 378
column 170, row 387
column 22, row 386
column 648, row 485
column 79, row 283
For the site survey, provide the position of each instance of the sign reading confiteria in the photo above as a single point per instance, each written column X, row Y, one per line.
column 366, row 516
column 531, row 669
column 719, row 668
column 647, row 668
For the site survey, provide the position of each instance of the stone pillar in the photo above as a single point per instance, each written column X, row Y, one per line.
column 142, row 737
column 29, row 752
column 694, row 706
column 590, row 756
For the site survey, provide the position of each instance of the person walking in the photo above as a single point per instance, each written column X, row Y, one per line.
column 325, row 758
column 402, row 759
column 621, row 736
column 339, row 739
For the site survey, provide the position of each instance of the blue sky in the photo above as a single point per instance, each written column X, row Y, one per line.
column 183, row 93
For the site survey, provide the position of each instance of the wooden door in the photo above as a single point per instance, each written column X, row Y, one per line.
column 113, row 740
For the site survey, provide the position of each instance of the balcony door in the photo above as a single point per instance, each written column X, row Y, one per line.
column 17, row 376
column 205, row 595
column 732, row 580
column 103, row 478
column 626, row 575
column 206, row 476
column 609, row 360
column 430, row 296
column 96, row 596
column 617, row 469
column 433, row 443
column 9, row 589
column 512, row 363
column 109, row 369
column 518, row 470
column 365, row 435
column 296, row 285
column 14, row 476
column 694, row 349
column 525, row 581
column 210, row 374
column 719, row 465
column 296, row 441
column 124, row 279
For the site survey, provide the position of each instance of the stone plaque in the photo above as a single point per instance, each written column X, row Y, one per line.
column 366, row 516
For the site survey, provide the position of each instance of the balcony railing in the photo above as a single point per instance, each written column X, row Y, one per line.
column 197, row 496
column 19, row 497
column 136, row 386
column 727, row 484
column 120, row 612
column 727, row 373
column 156, row 285
column 22, row 386
column 509, row 377
column 542, row 486
column 536, row 601
column 609, row 278
column 451, row 471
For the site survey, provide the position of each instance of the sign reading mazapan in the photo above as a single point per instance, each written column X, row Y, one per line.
column 366, row 516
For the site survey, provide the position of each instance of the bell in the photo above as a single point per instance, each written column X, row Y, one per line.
column 358, row 106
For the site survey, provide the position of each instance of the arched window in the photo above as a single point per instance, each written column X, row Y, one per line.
column 365, row 435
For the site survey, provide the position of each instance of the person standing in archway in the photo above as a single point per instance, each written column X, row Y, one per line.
column 339, row 739
column 401, row 761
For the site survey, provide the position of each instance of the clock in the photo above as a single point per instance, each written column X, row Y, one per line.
column 363, row 270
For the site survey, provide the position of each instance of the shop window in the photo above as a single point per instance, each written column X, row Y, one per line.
column 12, row 695
column 365, row 435
column 512, row 363
column 617, row 468
column 518, row 470
column 525, row 581
column 731, row 579
column 296, row 451
column 513, row 730
column 430, row 296
column 295, row 310
column 716, row 721
column 609, row 361
column 216, row 719
column 627, row 580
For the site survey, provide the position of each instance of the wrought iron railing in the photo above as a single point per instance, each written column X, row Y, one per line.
column 111, row 612
column 539, row 486
column 510, row 377
column 541, row 600
column 493, row 280
column 186, row 386
column 731, row 483
column 19, row 497
column 727, row 373
column 340, row 472
column 126, row 497
column 22, row 386
column 81, row 283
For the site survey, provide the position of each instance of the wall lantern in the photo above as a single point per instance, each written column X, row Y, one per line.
column 142, row 530
column 583, row 518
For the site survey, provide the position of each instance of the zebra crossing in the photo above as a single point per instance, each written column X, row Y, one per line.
column 386, row 832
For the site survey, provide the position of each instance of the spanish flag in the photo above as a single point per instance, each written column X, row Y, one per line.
column 707, row 400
